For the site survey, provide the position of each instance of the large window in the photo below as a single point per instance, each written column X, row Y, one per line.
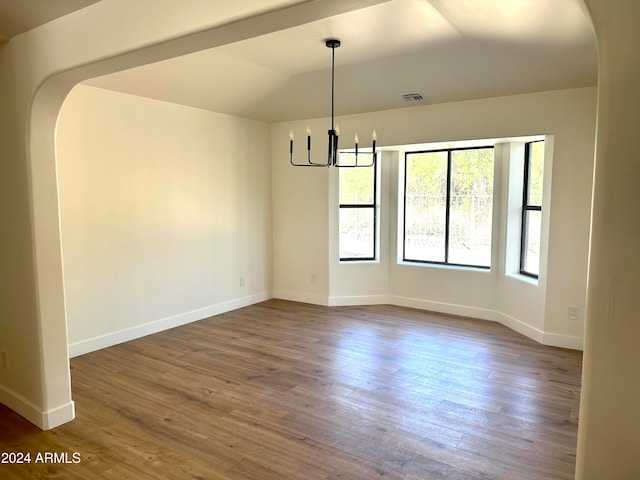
column 358, row 215
column 448, row 206
column 532, row 209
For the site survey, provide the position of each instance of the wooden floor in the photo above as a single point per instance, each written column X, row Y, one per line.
column 289, row 391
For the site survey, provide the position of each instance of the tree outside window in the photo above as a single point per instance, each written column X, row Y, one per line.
column 357, row 214
column 449, row 206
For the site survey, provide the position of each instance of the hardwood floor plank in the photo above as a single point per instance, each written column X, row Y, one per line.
column 304, row 392
column 538, row 466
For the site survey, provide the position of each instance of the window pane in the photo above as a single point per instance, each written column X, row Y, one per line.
column 425, row 206
column 536, row 163
column 471, row 207
column 356, row 233
column 356, row 185
column 531, row 247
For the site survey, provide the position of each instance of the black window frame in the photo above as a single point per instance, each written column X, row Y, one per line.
column 372, row 206
column 526, row 208
column 447, row 212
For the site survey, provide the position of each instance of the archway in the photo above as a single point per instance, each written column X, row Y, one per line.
column 57, row 405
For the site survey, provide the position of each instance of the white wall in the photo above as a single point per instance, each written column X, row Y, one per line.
column 163, row 208
column 609, row 424
column 304, row 208
column 363, row 283
column 520, row 300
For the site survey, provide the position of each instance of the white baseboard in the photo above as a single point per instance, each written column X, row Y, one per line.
column 565, row 341
column 551, row 339
column 120, row 336
column 343, row 301
column 44, row 420
column 58, row 416
column 302, row 297
column 571, row 342
column 520, row 327
column 440, row 307
column 114, row 338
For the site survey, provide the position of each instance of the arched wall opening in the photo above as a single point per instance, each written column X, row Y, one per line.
column 54, row 376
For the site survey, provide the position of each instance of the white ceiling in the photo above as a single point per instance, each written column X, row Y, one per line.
column 448, row 50
column 19, row 16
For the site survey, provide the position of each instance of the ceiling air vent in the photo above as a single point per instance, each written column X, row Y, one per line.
column 413, row 97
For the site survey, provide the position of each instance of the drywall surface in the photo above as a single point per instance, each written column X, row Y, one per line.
column 609, row 424
column 165, row 214
column 305, row 216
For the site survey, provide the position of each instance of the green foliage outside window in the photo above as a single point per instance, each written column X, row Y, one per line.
column 357, row 219
column 466, row 239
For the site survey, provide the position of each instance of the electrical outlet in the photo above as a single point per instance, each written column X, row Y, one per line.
column 573, row 313
column 4, row 360
column 313, row 278
column 242, row 281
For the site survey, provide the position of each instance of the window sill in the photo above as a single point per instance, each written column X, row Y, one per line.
column 523, row 278
column 465, row 268
column 358, row 262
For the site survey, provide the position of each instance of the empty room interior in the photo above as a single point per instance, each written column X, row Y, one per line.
column 319, row 239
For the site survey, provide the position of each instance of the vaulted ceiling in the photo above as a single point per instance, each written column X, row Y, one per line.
column 447, row 50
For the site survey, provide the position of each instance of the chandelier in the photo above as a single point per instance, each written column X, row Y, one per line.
column 334, row 133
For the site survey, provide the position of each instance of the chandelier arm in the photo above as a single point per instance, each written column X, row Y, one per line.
column 310, row 164
column 316, row 164
column 374, row 158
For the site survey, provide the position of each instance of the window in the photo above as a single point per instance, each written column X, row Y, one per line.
column 532, row 209
column 357, row 216
column 448, row 206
